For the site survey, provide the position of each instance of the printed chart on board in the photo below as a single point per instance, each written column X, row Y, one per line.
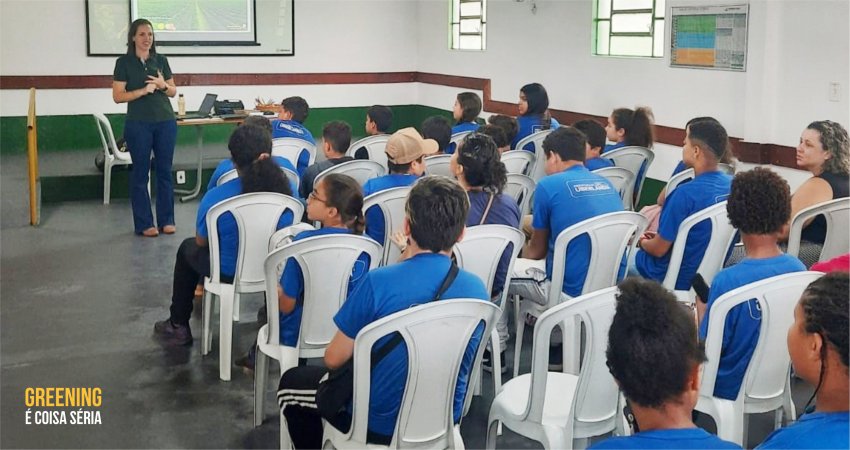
column 709, row 37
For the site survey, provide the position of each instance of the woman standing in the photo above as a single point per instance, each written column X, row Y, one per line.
column 143, row 80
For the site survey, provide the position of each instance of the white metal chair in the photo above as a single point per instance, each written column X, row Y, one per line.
column 610, row 236
column 376, row 147
column 391, row 202
column 111, row 155
column 439, row 165
column 837, row 215
column 562, row 409
column 291, row 175
column 722, row 235
column 292, row 148
column 362, row 170
column 457, row 139
column 257, row 215
column 326, row 263
column 633, row 158
column 623, row 181
column 538, row 169
column 437, row 336
column 521, row 188
column 766, row 384
column 518, row 161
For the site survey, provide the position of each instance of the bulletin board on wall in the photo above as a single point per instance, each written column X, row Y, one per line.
column 269, row 26
column 709, row 37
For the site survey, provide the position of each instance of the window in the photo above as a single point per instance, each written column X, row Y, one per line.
column 469, row 24
column 628, row 28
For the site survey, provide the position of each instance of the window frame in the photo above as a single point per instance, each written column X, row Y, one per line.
column 455, row 20
column 658, row 21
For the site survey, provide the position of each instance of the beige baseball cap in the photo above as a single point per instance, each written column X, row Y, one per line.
column 406, row 145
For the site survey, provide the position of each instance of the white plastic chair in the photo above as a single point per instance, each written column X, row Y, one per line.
column 291, row 175
column 326, row 263
column 436, row 335
column 376, row 147
column 439, row 165
column 457, row 138
column 633, row 158
column 610, row 236
column 538, row 169
column 111, row 155
column 722, row 235
column 561, row 409
column 257, row 215
column 837, row 215
column 291, row 149
column 623, row 181
column 362, row 170
column 676, row 180
column 518, row 161
column 391, row 202
column 521, row 188
column 766, row 384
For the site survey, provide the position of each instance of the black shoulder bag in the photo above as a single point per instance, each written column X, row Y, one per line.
column 334, row 394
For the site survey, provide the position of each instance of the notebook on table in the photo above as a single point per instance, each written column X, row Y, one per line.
column 204, row 111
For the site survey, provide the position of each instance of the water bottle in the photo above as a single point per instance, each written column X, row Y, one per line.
column 181, row 105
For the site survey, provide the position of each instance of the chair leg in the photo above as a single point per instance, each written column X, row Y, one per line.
column 261, row 369
column 285, row 440
column 496, row 358
column 491, row 434
column 225, row 334
column 107, row 182
column 520, row 330
column 236, row 300
column 206, row 335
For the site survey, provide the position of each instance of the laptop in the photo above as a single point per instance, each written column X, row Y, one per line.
column 204, row 111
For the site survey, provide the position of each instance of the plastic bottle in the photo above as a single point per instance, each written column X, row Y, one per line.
column 181, row 105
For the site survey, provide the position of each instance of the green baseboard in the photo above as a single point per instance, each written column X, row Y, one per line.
column 68, row 188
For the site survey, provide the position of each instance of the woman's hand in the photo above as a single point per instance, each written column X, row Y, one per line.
column 158, row 81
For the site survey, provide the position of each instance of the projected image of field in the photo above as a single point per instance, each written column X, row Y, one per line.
column 196, row 15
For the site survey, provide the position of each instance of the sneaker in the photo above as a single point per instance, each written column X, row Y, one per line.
column 172, row 334
column 247, row 362
column 556, row 358
column 487, row 362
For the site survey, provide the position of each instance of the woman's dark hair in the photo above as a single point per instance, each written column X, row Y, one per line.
column 246, row 145
column 131, row 33
column 538, row 103
column 436, row 210
column 259, row 121
column 710, row 135
column 652, row 343
column 482, row 167
column 638, row 124
column 382, row 116
column 759, row 202
column 728, row 156
column 470, row 105
column 834, row 139
column 439, row 129
column 345, row 194
column 506, row 123
column 497, row 133
column 825, row 307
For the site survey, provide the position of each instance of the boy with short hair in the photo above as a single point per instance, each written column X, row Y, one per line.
column 379, row 120
column 336, row 137
column 595, row 134
column 507, row 123
column 439, row 129
column 289, row 124
column 498, row 135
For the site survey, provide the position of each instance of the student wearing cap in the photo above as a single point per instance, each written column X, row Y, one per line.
column 336, row 137
column 406, row 151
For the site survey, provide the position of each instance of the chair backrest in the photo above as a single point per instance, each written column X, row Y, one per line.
column 376, row 147
column 230, row 175
column 623, row 181
column 676, row 180
column 457, row 138
column 257, row 215
column 722, row 234
column 436, row 335
column 767, row 371
column 538, row 169
column 391, row 202
column 837, row 215
column 107, row 139
column 326, row 262
column 439, row 165
column 481, row 250
column 291, row 149
column 595, row 400
column 233, row 174
column 518, row 161
column 521, row 188
column 633, row 158
column 610, row 235
column 361, row 170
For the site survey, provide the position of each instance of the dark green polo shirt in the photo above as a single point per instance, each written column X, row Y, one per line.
column 154, row 107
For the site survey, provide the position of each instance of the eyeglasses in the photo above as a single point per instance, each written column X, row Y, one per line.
column 315, row 196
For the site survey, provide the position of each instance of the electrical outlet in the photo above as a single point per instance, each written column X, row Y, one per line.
column 834, row 91
column 181, row 177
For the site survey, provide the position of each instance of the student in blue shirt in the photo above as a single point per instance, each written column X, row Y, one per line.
column 533, row 115
column 655, row 358
column 437, row 209
column 250, row 148
column 759, row 205
column 595, row 134
column 496, row 133
column 439, row 129
column 627, row 127
column 818, row 345
column 509, row 125
column 289, row 124
column 466, row 109
column 379, row 120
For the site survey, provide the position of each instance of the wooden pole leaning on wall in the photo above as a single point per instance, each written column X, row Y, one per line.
column 32, row 162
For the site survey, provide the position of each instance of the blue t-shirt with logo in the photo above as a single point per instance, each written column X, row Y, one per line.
column 679, row 438
column 461, row 128
column 228, row 233
column 563, row 200
column 374, row 217
column 292, row 281
column 227, row 165
column 614, row 146
column 741, row 331
column 813, row 430
column 528, row 125
column 503, row 211
column 391, row 289
column 598, row 163
column 703, row 191
column 294, row 129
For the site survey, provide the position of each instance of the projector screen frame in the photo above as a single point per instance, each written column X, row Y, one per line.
column 211, row 43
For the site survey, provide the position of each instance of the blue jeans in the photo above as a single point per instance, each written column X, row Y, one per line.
column 142, row 137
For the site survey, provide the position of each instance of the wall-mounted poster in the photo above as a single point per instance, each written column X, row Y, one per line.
column 709, row 37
